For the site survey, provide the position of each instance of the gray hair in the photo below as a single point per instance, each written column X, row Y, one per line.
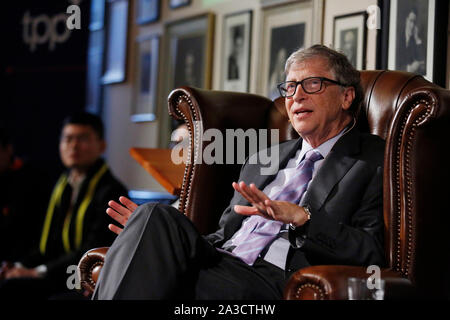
column 339, row 65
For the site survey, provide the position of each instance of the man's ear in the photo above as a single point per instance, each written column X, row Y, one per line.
column 348, row 97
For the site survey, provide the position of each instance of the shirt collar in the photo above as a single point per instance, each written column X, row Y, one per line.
column 324, row 148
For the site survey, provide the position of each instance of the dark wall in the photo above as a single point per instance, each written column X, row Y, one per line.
column 43, row 75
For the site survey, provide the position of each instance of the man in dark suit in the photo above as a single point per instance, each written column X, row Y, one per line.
column 323, row 206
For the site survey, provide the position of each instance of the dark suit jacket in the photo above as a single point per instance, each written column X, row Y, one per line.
column 346, row 202
column 95, row 222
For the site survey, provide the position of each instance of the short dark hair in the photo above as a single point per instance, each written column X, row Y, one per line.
column 338, row 63
column 87, row 119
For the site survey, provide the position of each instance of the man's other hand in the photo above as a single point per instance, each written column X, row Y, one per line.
column 120, row 212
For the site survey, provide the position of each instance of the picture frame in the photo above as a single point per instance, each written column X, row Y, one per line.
column 189, row 47
column 95, row 54
column 188, row 54
column 174, row 4
column 237, row 34
column 350, row 36
column 147, row 11
column 97, row 15
column 284, row 29
column 146, row 78
column 116, row 41
column 270, row 3
column 427, row 53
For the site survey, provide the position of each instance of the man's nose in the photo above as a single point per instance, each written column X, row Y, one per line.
column 73, row 143
column 299, row 94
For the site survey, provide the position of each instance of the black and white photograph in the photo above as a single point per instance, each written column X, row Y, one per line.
column 187, row 52
column 178, row 3
column 147, row 11
column 146, row 79
column 284, row 41
column 189, row 62
column 284, row 29
column 413, row 46
column 116, row 41
column 349, row 37
column 236, row 58
column 413, row 37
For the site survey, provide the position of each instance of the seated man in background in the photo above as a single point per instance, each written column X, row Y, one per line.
column 24, row 192
column 75, row 216
column 323, row 206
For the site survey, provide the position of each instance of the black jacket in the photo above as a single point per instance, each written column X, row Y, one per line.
column 345, row 199
column 92, row 230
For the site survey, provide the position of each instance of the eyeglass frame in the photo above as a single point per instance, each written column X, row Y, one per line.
column 322, row 79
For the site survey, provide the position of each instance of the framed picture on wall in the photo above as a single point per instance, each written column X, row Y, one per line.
column 116, row 41
column 97, row 15
column 349, row 37
column 178, row 3
column 237, row 32
column 147, row 11
column 187, row 52
column 94, row 92
column 414, row 37
column 146, row 79
column 285, row 29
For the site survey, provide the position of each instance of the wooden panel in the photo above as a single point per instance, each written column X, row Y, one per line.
column 159, row 164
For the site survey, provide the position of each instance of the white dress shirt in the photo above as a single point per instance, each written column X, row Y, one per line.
column 277, row 252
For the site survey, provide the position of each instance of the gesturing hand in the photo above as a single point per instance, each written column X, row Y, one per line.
column 120, row 212
column 262, row 205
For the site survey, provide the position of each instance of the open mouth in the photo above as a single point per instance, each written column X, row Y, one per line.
column 302, row 113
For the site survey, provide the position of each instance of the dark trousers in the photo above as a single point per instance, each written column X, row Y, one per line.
column 160, row 255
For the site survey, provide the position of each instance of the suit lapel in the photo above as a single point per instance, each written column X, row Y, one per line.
column 335, row 166
column 253, row 175
column 286, row 151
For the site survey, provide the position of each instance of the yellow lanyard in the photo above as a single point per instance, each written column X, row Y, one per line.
column 56, row 197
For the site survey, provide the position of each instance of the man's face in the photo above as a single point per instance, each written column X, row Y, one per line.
column 80, row 146
column 321, row 115
column 410, row 23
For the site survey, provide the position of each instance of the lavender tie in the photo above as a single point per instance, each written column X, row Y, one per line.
column 257, row 232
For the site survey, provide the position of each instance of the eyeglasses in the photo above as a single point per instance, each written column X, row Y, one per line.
column 310, row 85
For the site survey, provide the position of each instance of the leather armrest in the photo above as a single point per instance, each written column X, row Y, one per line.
column 90, row 266
column 330, row 283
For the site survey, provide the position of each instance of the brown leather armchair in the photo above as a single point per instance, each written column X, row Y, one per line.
column 409, row 112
